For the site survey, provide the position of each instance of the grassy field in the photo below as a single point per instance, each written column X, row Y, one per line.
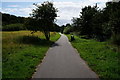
column 22, row 52
column 100, row 56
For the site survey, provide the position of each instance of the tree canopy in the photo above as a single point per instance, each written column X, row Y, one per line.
column 97, row 23
column 42, row 18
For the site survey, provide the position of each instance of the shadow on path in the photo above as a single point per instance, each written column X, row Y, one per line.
column 55, row 44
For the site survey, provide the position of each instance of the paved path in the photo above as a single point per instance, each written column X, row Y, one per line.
column 63, row 61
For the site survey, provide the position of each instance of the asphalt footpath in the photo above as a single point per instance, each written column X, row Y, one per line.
column 63, row 61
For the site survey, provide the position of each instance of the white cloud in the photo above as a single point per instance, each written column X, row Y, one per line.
column 99, row 0
column 63, row 21
column 18, row 11
column 20, row 0
column 13, row 6
column 66, row 10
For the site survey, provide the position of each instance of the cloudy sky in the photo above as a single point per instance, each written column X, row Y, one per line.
column 67, row 9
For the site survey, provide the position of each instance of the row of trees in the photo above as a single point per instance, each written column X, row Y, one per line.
column 99, row 24
column 11, row 19
column 12, row 23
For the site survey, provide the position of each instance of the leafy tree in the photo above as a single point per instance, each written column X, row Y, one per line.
column 86, row 15
column 43, row 18
column 98, row 29
column 62, row 28
column 113, row 25
column 77, row 24
column 113, row 9
column 55, row 28
column 68, row 29
column 84, row 24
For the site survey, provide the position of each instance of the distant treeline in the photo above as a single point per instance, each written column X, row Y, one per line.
column 11, row 19
column 16, row 23
column 12, row 23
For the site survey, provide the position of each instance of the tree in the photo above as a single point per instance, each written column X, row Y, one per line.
column 83, row 24
column 55, row 28
column 43, row 17
column 62, row 28
column 86, row 15
column 68, row 29
column 77, row 22
column 113, row 9
column 113, row 24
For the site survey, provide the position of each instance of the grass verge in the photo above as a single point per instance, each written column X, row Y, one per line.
column 22, row 52
column 100, row 56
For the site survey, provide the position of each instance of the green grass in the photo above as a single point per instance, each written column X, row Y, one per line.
column 100, row 56
column 22, row 52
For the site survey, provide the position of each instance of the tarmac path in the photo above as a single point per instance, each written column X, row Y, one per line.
column 63, row 61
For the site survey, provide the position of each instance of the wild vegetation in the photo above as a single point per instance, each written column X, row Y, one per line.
column 100, row 56
column 23, row 51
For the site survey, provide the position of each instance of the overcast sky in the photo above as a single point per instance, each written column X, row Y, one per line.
column 67, row 9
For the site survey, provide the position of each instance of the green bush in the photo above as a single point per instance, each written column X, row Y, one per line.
column 100, row 56
column 67, row 30
column 13, row 27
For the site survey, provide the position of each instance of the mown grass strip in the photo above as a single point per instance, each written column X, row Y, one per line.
column 100, row 56
column 22, row 52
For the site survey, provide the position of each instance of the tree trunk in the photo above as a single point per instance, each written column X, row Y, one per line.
column 47, row 35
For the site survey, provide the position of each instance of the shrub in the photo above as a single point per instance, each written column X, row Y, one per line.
column 67, row 30
column 13, row 27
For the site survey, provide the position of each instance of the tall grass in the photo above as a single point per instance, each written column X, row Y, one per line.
column 22, row 52
column 100, row 56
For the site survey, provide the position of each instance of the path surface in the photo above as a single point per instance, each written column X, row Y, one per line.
column 63, row 61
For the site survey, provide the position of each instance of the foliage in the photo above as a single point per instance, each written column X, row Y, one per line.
column 113, row 11
column 11, row 19
column 62, row 28
column 13, row 27
column 97, row 23
column 22, row 52
column 55, row 28
column 43, row 18
column 115, row 39
column 12, row 22
column 87, row 14
column 68, row 29
column 77, row 24
column 100, row 56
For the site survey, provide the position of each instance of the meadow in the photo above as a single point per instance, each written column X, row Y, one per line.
column 101, row 57
column 23, row 51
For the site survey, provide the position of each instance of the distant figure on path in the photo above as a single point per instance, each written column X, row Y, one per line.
column 72, row 37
